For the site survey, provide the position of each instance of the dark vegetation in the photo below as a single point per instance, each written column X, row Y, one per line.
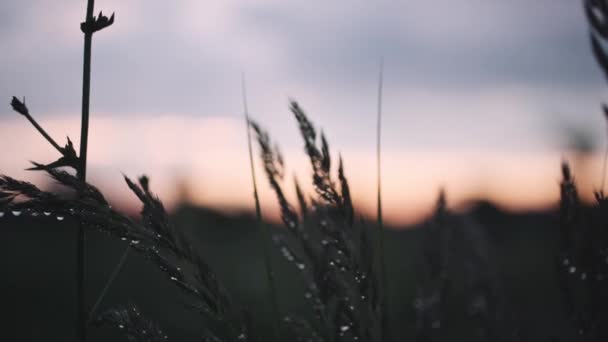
column 329, row 275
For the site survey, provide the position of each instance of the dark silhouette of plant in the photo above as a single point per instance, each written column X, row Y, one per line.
column 69, row 158
column 264, row 230
column 153, row 237
column 384, row 285
column 333, row 255
column 454, row 274
column 582, row 264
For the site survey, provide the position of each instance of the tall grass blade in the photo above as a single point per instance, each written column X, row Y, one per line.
column 380, row 224
column 264, row 231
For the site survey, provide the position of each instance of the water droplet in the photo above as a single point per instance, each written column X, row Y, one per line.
column 34, row 214
column 344, row 328
column 566, row 262
column 363, row 297
column 301, row 265
column 47, row 213
column 572, row 269
column 308, row 295
column 241, row 336
column 325, row 242
column 123, row 238
column 173, row 278
column 1, row 214
column 134, row 242
column 16, row 213
column 60, row 218
column 583, row 276
column 120, row 326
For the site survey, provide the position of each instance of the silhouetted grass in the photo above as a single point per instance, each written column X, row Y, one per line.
column 345, row 277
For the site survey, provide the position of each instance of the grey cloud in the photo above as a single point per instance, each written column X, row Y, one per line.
column 526, row 49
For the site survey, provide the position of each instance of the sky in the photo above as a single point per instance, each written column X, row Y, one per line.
column 481, row 98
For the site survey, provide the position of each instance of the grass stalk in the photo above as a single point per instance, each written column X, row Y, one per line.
column 82, row 172
column 380, row 224
column 264, row 231
column 106, row 288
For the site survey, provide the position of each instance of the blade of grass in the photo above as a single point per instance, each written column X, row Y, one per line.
column 264, row 231
column 380, row 225
column 82, row 173
column 106, row 288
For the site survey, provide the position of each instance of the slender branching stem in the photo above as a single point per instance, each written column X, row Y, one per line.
column 82, row 171
column 43, row 132
column 264, row 230
column 380, row 226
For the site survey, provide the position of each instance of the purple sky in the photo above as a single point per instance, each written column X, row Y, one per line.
column 477, row 93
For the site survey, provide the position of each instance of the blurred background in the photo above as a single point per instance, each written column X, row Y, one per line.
column 481, row 98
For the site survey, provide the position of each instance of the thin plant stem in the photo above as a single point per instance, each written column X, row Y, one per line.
column 604, row 167
column 264, row 231
column 380, row 226
column 43, row 132
column 110, row 281
column 82, row 171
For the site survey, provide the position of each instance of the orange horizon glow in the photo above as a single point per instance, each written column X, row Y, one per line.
column 205, row 160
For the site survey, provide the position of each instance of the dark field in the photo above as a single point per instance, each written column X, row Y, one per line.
column 38, row 287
